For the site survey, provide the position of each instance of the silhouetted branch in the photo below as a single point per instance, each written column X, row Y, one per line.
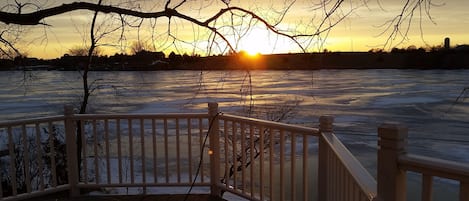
column 37, row 17
column 399, row 26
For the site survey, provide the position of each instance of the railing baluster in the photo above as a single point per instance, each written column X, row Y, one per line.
column 282, row 165
column 154, row 146
column 119, row 149
column 363, row 196
column 243, row 157
column 351, row 183
column 271, row 164
column 83, row 151
column 336, row 169
column 95, row 149
column 356, row 193
column 52, row 154
column 201, row 148
column 225, row 140
column 341, row 179
column 293, row 166
column 225, row 144
column 26, row 161
column 189, row 145
column 261, row 160
column 1, row 186
column 235, row 157
column 347, row 185
column 142, row 146
column 332, row 180
column 166, row 158
column 339, row 184
column 108, row 160
column 251, row 174
column 131, row 150
column 178, row 154
column 305, row 168
column 40, row 159
column 427, row 187
column 11, row 148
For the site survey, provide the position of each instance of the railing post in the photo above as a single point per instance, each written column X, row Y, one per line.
column 391, row 179
column 326, row 128
column 71, row 146
column 463, row 191
column 214, row 151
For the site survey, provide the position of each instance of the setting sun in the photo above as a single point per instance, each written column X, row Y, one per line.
column 254, row 42
column 261, row 41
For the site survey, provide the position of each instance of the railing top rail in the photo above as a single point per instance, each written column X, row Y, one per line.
column 141, row 116
column 435, row 167
column 271, row 124
column 360, row 174
column 31, row 121
column 103, row 116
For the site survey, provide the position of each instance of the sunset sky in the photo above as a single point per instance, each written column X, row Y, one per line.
column 358, row 32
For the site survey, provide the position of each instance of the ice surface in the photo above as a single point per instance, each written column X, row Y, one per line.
column 361, row 100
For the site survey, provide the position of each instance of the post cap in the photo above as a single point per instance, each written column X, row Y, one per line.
column 325, row 123
column 391, row 130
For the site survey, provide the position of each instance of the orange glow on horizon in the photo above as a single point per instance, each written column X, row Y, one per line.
column 252, row 55
column 248, row 60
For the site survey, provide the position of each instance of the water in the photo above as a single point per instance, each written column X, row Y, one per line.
column 360, row 100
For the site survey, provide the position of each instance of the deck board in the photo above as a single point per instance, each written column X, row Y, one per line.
column 191, row 197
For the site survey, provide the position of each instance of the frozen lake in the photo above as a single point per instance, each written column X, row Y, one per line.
column 360, row 100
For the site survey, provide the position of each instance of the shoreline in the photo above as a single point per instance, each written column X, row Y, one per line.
column 299, row 61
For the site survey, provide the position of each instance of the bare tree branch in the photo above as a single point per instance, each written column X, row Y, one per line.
column 36, row 18
column 8, row 45
column 399, row 26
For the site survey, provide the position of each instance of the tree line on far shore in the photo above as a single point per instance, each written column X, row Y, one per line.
column 141, row 59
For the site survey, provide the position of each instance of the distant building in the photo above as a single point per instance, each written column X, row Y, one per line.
column 447, row 43
column 462, row 48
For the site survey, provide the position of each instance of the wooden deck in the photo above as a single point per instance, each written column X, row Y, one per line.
column 65, row 197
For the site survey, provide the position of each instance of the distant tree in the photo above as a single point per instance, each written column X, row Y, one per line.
column 376, row 50
column 421, row 49
column 411, row 48
column 83, row 51
column 139, row 46
column 436, row 48
column 175, row 58
column 396, row 50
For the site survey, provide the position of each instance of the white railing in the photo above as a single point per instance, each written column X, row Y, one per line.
column 252, row 158
column 133, row 151
column 32, row 151
column 264, row 160
column 394, row 162
column 342, row 177
column 142, row 150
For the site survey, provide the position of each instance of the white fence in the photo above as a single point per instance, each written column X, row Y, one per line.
column 252, row 158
